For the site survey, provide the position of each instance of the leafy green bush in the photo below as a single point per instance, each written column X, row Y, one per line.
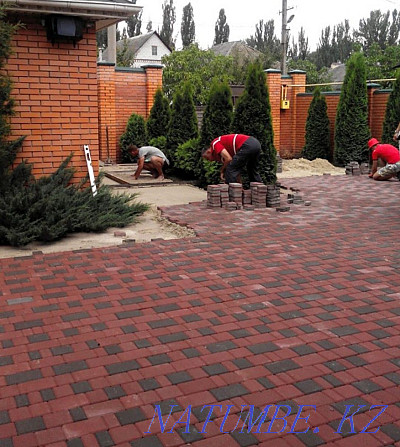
column 160, row 142
column 317, row 129
column 187, row 158
column 135, row 133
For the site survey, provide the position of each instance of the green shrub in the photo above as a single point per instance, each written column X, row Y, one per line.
column 351, row 128
column 187, row 158
column 317, row 129
column 253, row 117
column 135, row 133
column 392, row 113
column 183, row 125
column 158, row 121
column 160, row 142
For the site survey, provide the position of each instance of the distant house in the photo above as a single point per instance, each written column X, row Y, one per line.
column 239, row 50
column 142, row 50
column 337, row 72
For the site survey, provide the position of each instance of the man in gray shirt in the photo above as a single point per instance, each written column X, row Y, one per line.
column 150, row 158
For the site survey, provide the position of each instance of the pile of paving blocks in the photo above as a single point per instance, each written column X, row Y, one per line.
column 353, row 168
column 279, row 164
column 234, row 197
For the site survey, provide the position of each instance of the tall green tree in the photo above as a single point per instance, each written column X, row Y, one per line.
column 135, row 133
column 351, row 127
column 217, row 120
column 299, row 50
column 392, row 112
column 183, row 124
column 378, row 28
column 158, row 121
column 134, row 25
column 169, row 18
column 188, row 28
column 264, row 39
column 317, row 129
column 221, row 28
column 253, row 117
column 199, row 67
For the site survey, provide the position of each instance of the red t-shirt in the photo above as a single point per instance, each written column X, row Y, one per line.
column 232, row 143
column 387, row 153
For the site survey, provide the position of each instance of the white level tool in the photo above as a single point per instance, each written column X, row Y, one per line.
column 90, row 168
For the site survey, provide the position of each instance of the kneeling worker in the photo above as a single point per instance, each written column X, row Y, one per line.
column 150, row 158
column 389, row 155
column 235, row 151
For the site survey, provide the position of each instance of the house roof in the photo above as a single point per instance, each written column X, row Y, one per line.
column 236, row 48
column 103, row 12
column 135, row 44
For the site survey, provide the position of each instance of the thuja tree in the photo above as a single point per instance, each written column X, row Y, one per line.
column 253, row 117
column 317, row 129
column 351, row 127
column 48, row 208
column 217, row 120
column 135, row 133
column 183, row 124
column 158, row 121
column 392, row 113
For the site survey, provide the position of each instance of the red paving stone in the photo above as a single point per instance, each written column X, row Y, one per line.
column 261, row 308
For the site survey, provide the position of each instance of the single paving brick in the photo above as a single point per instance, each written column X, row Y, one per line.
column 130, row 416
column 281, row 366
column 215, row 369
column 149, row 384
column 24, row 376
column 114, row 392
column 244, row 439
column 242, row 363
column 229, row 392
column 71, row 367
column 77, row 414
column 159, row 359
column 81, row 387
column 30, row 425
column 4, row 417
column 391, row 430
column 308, row 386
column 193, row 434
column 148, row 441
column 367, row 386
column 179, row 377
column 166, row 322
column 221, row 346
column 117, row 368
column 261, row 348
column 47, row 394
column 303, row 349
column 104, row 439
column 345, row 330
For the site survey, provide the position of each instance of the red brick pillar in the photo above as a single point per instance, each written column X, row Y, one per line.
column 273, row 79
column 107, row 119
column 298, row 86
column 153, row 81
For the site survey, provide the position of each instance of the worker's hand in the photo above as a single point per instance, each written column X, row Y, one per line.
column 370, row 175
column 222, row 176
column 134, row 179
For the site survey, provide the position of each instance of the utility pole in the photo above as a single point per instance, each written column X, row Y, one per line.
column 284, row 37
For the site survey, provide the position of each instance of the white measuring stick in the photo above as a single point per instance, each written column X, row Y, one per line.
column 90, row 168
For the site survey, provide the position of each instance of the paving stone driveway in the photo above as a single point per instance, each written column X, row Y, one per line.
column 262, row 308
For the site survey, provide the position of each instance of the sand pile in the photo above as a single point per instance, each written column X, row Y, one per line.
column 300, row 167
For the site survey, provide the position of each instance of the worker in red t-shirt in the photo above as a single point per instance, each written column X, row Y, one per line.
column 235, row 151
column 389, row 155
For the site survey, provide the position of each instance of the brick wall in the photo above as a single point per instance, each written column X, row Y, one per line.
column 55, row 88
column 121, row 93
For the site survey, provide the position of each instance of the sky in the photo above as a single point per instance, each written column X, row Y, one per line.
column 242, row 16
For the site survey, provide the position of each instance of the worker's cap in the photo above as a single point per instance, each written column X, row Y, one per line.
column 372, row 142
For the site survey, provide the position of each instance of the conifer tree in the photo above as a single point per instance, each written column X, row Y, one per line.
column 183, row 124
column 392, row 113
column 48, row 208
column 158, row 121
column 253, row 117
column 217, row 120
column 169, row 18
column 135, row 133
column 187, row 26
column 317, row 129
column 221, row 28
column 351, row 127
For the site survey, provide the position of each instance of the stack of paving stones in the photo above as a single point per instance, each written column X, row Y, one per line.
column 214, row 196
column 364, row 168
column 259, row 193
column 279, row 164
column 353, row 168
column 273, row 195
column 235, row 195
column 224, row 195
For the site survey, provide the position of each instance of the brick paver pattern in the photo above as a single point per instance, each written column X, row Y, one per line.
column 262, row 307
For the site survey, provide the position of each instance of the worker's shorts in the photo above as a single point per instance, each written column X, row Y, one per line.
column 389, row 169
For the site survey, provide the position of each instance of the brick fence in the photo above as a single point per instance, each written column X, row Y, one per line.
column 65, row 99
